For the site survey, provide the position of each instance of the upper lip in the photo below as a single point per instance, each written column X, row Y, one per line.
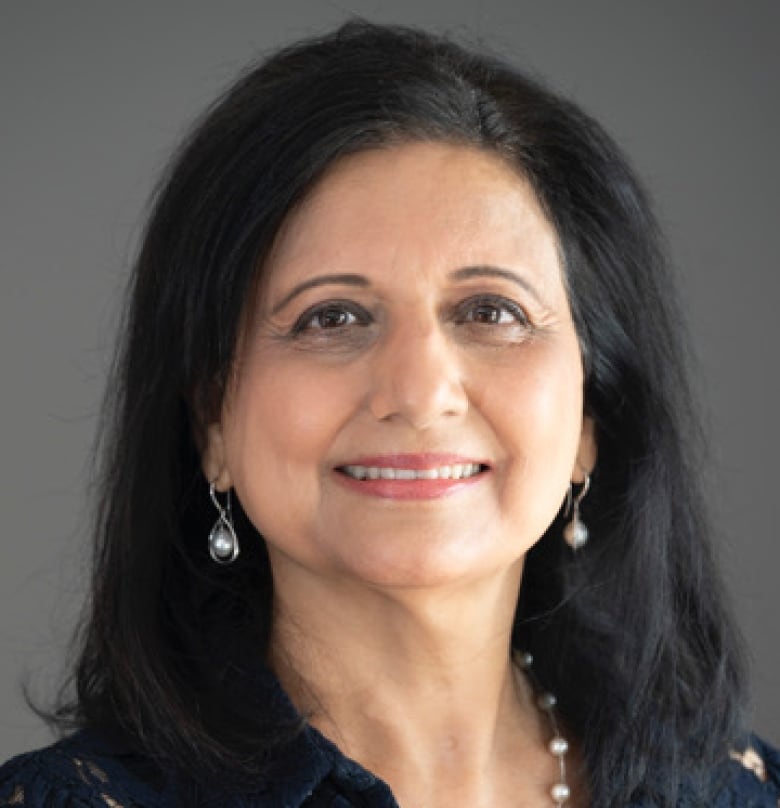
column 417, row 461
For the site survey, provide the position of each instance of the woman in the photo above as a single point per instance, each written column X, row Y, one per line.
column 400, row 445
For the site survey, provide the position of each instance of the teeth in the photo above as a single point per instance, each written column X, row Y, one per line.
column 457, row 471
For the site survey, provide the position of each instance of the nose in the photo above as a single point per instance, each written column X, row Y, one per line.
column 417, row 378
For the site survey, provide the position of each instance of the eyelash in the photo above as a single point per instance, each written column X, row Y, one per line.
column 462, row 314
column 303, row 323
column 495, row 303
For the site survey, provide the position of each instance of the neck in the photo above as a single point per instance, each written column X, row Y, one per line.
column 420, row 676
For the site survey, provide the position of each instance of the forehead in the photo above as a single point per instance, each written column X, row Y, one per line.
column 423, row 202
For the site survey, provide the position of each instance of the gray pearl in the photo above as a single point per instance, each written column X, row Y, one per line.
column 559, row 746
column 575, row 534
column 526, row 660
column 223, row 544
column 546, row 701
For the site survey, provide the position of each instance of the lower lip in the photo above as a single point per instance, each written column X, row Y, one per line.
column 409, row 489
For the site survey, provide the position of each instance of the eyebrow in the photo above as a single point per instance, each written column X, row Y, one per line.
column 496, row 272
column 465, row 273
column 320, row 280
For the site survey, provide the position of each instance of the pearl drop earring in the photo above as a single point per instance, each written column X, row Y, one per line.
column 223, row 542
column 575, row 533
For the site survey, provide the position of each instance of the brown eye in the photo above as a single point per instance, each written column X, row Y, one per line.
column 491, row 311
column 331, row 316
column 486, row 314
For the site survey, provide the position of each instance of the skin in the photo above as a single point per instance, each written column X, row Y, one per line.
column 399, row 611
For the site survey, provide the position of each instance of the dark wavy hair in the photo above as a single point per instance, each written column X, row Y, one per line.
column 631, row 633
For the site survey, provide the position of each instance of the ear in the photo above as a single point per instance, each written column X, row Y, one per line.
column 213, row 459
column 587, row 452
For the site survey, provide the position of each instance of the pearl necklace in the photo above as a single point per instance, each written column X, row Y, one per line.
column 558, row 745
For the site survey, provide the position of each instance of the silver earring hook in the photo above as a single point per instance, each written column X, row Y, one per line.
column 225, row 513
column 583, row 491
column 573, row 502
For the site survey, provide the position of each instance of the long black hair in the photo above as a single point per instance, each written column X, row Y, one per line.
column 631, row 633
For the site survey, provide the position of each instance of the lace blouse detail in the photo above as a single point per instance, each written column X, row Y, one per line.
column 82, row 772
column 752, row 761
column 54, row 791
column 64, row 776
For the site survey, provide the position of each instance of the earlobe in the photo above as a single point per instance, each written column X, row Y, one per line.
column 587, row 453
column 214, row 460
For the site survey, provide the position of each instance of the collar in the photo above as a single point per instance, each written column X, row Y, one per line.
column 309, row 770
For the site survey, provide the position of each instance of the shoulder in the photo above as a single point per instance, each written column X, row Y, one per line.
column 81, row 771
column 753, row 779
column 748, row 778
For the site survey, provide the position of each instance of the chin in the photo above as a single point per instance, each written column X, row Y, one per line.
column 426, row 566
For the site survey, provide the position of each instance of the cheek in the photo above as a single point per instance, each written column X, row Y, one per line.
column 554, row 400
column 279, row 426
column 535, row 395
column 284, row 409
column 535, row 409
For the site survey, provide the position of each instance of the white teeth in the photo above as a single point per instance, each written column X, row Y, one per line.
column 457, row 471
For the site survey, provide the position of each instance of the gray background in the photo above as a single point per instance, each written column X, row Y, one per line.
column 94, row 95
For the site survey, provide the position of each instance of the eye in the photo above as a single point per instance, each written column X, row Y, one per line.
column 491, row 311
column 331, row 316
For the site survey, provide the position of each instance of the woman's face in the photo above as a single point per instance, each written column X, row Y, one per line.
column 406, row 407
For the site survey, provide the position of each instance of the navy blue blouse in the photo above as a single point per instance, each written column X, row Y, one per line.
column 86, row 770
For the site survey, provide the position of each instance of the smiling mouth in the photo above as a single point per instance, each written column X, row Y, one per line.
column 454, row 471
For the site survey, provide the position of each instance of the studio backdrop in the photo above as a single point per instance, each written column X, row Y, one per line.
column 94, row 95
